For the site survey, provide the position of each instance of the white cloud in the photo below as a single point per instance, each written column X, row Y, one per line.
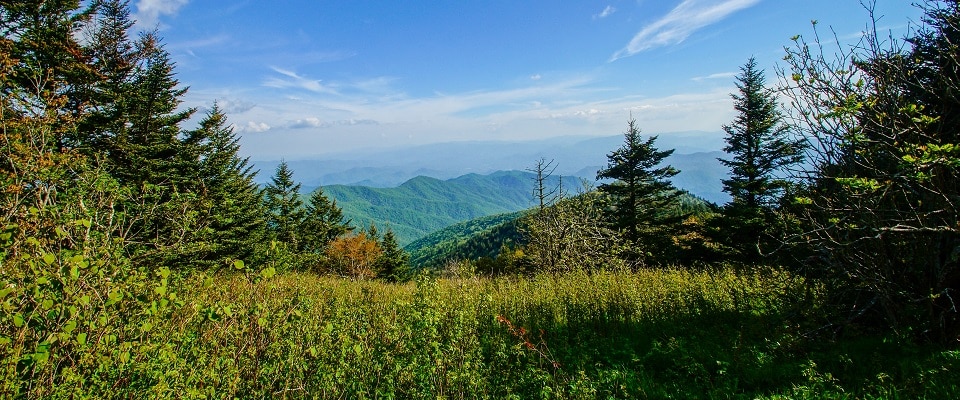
column 235, row 106
column 313, row 122
column 680, row 23
column 605, row 13
column 251, row 126
column 719, row 75
column 310, row 122
column 291, row 79
column 149, row 11
column 535, row 77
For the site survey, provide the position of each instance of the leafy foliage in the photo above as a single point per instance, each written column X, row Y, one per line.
column 882, row 221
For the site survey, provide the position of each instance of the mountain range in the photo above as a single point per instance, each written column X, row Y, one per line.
column 574, row 156
column 419, row 190
column 423, row 205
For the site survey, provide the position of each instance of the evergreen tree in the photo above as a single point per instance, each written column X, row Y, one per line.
column 229, row 200
column 393, row 265
column 146, row 158
column 645, row 202
column 148, row 148
column 761, row 147
column 759, row 142
column 114, row 58
column 322, row 223
column 285, row 212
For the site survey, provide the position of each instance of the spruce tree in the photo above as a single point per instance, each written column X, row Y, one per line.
column 285, row 212
column 761, row 148
column 644, row 200
column 148, row 148
column 394, row 261
column 322, row 223
column 229, row 201
column 113, row 57
column 759, row 142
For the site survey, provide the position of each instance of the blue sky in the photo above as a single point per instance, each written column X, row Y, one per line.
column 300, row 78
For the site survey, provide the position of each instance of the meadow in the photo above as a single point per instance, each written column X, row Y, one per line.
column 603, row 334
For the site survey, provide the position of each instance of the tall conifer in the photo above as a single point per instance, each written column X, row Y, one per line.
column 285, row 211
column 322, row 223
column 229, row 200
column 644, row 200
column 760, row 146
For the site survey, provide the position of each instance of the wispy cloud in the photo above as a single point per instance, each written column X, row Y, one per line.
column 149, row 11
column 291, row 79
column 719, row 75
column 313, row 122
column 680, row 23
column 608, row 11
column 199, row 43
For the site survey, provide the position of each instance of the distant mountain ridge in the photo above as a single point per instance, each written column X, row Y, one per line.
column 423, row 205
column 695, row 156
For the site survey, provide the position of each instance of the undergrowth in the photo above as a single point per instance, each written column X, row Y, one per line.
column 645, row 334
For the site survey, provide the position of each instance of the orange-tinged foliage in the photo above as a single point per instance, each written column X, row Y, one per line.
column 354, row 255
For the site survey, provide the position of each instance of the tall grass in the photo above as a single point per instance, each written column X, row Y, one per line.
column 620, row 334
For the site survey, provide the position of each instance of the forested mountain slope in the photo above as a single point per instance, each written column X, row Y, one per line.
column 424, row 205
column 480, row 237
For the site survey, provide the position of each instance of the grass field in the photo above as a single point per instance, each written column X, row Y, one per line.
column 646, row 334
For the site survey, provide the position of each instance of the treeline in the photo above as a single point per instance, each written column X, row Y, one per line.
column 853, row 185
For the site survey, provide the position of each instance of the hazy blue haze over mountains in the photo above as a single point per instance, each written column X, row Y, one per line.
column 695, row 156
column 419, row 190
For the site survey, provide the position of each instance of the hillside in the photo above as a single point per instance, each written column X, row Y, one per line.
column 424, row 205
column 481, row 237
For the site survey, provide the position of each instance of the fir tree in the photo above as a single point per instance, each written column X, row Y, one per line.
column 644, row 200
column 322, row 223
column 284, row 208
column 229, row 199
column 760, row 145
column 114, row 58
column 393, row 265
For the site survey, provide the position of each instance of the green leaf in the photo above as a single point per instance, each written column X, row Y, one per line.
column 49, row 258
column 268, row 273
column 238, row 264
column 146, row 327
column 18, row 320
column 70, row 326
column 82, row 338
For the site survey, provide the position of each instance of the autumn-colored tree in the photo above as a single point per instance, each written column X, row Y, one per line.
column 354, row 255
